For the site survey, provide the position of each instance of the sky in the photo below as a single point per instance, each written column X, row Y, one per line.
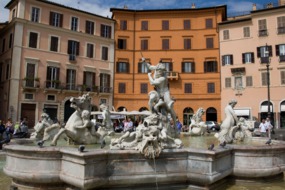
column 102, row 7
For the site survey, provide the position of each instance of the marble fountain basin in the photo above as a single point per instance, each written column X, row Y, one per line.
column 31, row 167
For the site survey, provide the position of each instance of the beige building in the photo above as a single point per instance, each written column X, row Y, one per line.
column 247, row 44
column 50, row 52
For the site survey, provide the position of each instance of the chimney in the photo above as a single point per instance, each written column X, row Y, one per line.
column 193, row 6
column 281, row 2
column 254, row 7
column 125, row 7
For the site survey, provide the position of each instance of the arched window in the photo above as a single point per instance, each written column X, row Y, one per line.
column 187, row 115
column 211, row 114
column 143, row 109
column 122, row 108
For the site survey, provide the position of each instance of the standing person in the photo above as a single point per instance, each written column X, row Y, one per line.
column 262, row 128
column 269, row 127
column 178, row 125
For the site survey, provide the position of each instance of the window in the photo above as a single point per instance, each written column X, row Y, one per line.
column 73, row 47
column 187, row 43
column 281, row 25
column 209, row 23
column 7, row 71
column 123, row 25
column 262, row 28
column 226, row 34
column 54, row 43
column 89, row 27
column 144, row 44
column 187, row 24
column 209, row 43
column 103, row 101
column 248, row 57
column 144, row 88
column 282, row 77
column 122, row 43
column 227, row 60
column 142, row 67
column 90, row 50
column 188, row 88
column 144, row 25
column 168, row 65
column 105, row 31
column 105, row 83
column 246, row 32
column 55, row 19
column 165, row 25
column 14, row 13
column 238, row 82
column 122, row 88
column 165, row 44
column 264, row 52
column 228, row 82
column 122, row 67
column 74, row 23
column 188, row 67
column 33, row 40
column 52, row 80
column 29, row 96
column 11, row 40
column 210, row 66
column 89, row 80
column 248, row 81
column 30, row 74
column 264, row 80
column 3, row 44
column 104, row 53
column 70, row 79
column 211, row 87
column 51, row 97
column 280, row 51
column 35, row 14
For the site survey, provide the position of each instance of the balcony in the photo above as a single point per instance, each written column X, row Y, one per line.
column 264, row 60
column 105, row 89
column 52, row 85
column 262, row 33
column 172, row 75
column 30, row 84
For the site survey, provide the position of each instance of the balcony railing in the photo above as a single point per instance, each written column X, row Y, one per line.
column 264, row 60
column 105, row 89
column 262, row 33
column 31, row 83
column 52, row 84
column 173, row 75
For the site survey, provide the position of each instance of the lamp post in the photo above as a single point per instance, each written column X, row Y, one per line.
column 268, row 87
column 268, row 81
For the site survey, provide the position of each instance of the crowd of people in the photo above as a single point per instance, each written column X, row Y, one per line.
column 129, row 124
column 10, row 130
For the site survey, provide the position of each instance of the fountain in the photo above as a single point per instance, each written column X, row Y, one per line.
column 152, row 156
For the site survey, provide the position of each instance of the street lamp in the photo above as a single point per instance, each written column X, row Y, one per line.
column 268, row 80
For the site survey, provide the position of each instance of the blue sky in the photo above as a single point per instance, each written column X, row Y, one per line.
column 102, row 7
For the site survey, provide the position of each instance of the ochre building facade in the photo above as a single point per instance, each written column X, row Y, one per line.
column 186, row 41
